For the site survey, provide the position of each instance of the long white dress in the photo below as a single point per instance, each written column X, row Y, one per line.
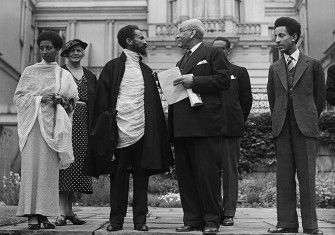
column 39, row 177
column 45, row 136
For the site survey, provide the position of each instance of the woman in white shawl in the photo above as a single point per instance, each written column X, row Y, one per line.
column 45, row 98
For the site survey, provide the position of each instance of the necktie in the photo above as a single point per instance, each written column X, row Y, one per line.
column 185, row 59
column 290, row 65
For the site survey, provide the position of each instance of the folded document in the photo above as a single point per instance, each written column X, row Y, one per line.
column 174, row 94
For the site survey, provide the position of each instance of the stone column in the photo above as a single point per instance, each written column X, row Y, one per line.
column 36, row 48
column 109, row 39
column 254, row 11
column 190, row 8
column 157, row 14
column 183, row 10
column 25, row 39
column 73, row 29
column 221, row 8
column 228, row 16
column 213, row 9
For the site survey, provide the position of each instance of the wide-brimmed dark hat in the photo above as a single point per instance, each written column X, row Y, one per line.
column 72, row 43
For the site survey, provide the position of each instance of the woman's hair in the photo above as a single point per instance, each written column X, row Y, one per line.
column 292, row 26
column 51, row 36
column 126, row 32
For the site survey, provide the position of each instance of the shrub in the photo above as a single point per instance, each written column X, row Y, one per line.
column 325, row 191
column 257, row 148
column 327, row 126
column 161, row 185
column 100, row 195
column 10, row 190
column 327, row 120
column 154, row 200
column 257, row 191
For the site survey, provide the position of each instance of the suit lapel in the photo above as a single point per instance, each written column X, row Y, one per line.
column 281, row 71
column 231, row 68
column 300, row 68
column 195, row 57
column 179, row 62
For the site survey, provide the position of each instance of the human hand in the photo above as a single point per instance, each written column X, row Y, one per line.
column 186, row 80
column 48, row 98
column 57, row 99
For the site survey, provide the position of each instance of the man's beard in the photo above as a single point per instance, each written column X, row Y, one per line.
column 140, row 50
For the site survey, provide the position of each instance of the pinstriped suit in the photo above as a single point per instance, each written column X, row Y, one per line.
column 295, row 107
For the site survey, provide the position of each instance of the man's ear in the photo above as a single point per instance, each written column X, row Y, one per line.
column 193, row 33
column 294, row 37
column 129, row 41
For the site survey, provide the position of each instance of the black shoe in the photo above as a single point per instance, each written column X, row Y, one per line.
column 34, row 226
column 45, row 223
column 75, row 220
column 141, row 227
column 34, row 222
column 113, row 228
column 228, row 221
column 313, row 231
column 282, row 230
column 210, row 230
column 60, row 221
column 188, row 228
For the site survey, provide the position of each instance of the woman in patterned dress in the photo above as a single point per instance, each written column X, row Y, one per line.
column 73, row 179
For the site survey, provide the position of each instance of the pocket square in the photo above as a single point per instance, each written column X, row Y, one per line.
column 202, row 62
column 232, row 77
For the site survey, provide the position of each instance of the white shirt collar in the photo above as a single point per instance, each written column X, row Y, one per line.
column 195, row 47
column 295, row 56
column 131, row 55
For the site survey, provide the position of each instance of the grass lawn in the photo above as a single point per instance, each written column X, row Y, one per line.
column 7, row 216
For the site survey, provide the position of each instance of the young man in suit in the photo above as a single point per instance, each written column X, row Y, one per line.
column 197, row 131
column 296, row 93
column 238, row 101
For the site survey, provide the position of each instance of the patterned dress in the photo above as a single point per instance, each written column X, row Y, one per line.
column 73, row 179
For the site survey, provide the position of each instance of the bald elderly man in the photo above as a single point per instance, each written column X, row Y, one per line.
column 197, row 131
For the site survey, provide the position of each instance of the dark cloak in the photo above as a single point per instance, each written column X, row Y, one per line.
column 156, row 154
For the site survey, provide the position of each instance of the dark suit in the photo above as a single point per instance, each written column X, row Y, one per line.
column 296, row 102
column 330, row 84
column 237, row 100
column 197, row 133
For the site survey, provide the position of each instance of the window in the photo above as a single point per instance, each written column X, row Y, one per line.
column 239, row 11
column 172, row 11
column 208, row 9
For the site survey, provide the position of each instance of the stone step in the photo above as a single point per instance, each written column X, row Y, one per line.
column 248, row 221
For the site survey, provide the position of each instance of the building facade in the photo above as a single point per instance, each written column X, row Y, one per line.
column 247, row 23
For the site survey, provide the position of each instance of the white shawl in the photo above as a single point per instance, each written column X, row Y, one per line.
column 55, row 124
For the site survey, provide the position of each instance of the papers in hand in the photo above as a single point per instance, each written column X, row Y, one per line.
column 172, row 93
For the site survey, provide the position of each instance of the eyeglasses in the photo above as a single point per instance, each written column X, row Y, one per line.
column 184, row 30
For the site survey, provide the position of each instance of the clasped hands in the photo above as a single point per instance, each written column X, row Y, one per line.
column 58, row 99
column 52, row 98
column 186, row 80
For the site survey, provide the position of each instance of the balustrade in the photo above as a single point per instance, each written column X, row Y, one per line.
column 248, row 29
column 212, row 27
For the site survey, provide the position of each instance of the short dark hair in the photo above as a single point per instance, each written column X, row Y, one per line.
column 51, row 36
column 292, row 26
column 126, row 32
column 223, row 39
